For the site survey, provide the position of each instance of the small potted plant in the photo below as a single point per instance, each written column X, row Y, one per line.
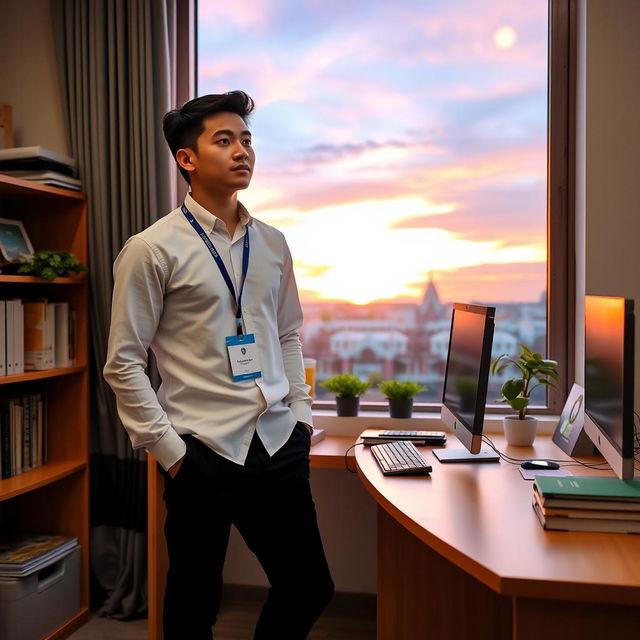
column 533, row 371
column 400, row 396
column 348, row 388
column 51, row 264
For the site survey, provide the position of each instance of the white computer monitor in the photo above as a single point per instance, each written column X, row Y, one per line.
column 466, row 378
column 609, row 356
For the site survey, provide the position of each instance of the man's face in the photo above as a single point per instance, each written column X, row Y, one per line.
column 225, row 158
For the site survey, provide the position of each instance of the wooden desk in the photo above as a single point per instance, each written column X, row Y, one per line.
column 326, row 454
column 461, row 554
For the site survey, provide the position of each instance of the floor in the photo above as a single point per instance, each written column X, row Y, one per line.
column 348, row 617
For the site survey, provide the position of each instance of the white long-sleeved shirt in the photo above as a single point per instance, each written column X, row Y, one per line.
column 169, row 295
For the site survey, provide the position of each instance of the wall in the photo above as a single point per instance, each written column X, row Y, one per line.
column 29, row 74
column 608, row 185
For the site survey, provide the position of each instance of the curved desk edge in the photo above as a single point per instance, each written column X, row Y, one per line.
column 603, row 589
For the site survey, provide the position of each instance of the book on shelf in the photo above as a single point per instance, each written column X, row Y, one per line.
column 18, row 309
column 17, row 435
column 50, row 333
column 12, row 337
column 5, row 439
column 44, row 338
column 9, row 336
column 63, row 335
column 21, row 555
column 52, row 178
column 3, row 339
column 34, row 159
column 27, row 450
column 22, row 434
column 35, row 342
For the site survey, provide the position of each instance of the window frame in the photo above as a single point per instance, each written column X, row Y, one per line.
column 561, row 264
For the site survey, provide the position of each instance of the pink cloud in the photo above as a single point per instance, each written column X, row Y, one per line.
column 495, row 196
column 493, row 283
column 212, row 14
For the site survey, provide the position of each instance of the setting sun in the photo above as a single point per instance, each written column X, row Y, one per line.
column 359, row 252
column 505, row 37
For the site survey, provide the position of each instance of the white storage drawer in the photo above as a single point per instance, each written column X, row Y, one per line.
column 34, row 605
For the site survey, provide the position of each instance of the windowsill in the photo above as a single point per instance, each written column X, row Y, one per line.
column 427, row 421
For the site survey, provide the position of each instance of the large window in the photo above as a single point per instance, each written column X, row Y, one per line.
column 402, row 149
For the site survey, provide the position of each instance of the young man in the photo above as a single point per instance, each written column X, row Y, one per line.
column 211, row 290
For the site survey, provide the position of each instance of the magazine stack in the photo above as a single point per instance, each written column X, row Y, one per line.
column 576, row 503
column 23, row 555
column 42, row 165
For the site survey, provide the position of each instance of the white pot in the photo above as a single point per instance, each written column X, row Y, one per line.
column 520, row 433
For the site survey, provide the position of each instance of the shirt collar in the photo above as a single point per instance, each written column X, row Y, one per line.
column 207, row 220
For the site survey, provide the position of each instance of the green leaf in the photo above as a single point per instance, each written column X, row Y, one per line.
column 524, row 350
column 48, row 273
column 523, row 368
column 494, row 364
column 397, row 390
column 517, row 404
column 51, row 264
column 512, row 388
column 345, row 385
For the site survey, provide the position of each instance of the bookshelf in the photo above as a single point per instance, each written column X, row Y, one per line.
column 53, row 498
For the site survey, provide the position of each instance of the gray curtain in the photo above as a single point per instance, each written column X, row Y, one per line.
column 115, row 59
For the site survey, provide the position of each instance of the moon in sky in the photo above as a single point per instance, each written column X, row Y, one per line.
column 505, row 37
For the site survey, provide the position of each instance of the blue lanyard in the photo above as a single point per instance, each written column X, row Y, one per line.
column 223, row 270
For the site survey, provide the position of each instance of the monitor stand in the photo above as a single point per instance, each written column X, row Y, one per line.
column 464, row 455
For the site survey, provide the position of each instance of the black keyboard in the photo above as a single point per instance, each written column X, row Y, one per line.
column 400, row 458
column 408, row 435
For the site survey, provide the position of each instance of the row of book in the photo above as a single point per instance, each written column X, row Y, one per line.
column 42, row 165
column 587, row 503
column 23, row 434
column 38, row 335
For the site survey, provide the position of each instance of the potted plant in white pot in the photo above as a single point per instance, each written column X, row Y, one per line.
column 348, row 388
column 533, row 371
column 400, row 396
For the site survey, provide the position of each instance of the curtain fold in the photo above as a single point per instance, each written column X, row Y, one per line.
column 115, row 59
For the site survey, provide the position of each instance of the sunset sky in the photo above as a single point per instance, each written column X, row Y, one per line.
column 394, row 140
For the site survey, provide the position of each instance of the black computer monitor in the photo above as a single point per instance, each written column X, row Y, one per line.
column 465, row 381
column 609, row 353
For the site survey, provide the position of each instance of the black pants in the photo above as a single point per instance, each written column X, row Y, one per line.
column 269, row 501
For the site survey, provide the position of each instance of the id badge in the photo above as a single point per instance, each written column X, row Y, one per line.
column 243, row 356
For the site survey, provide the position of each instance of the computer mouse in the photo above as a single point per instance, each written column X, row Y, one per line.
column 539, row 464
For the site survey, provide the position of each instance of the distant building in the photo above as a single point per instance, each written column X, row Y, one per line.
column 407, row 341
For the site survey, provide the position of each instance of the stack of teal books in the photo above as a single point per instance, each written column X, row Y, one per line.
column 605, row 505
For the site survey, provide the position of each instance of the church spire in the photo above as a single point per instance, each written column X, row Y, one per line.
column 431, row 307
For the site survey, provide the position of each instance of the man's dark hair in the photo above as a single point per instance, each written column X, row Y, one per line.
column 183, row 126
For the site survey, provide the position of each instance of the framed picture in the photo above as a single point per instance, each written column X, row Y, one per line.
column 15, row 245
column 569, row 434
